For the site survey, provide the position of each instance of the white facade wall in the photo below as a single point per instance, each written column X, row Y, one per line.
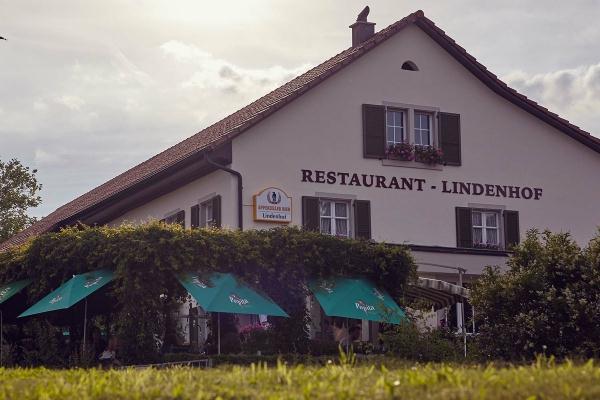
column 322, row 130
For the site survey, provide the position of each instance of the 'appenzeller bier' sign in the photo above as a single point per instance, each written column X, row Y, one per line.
column 272, row 205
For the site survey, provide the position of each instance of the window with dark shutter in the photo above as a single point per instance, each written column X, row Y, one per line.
column 450, row 138
column 180, row 218
column 216, row 209
column 464, row 227
column 310, row 213
column 195, row 216
column 373, row 131
column 511, row 228
column 362, row 219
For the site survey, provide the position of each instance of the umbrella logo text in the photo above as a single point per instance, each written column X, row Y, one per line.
column 4, row 292
column 91, row 282
column 196, row 281
column 327, row 286
column 234, row 298
column 378, row 294
column 361, row 305
column 56, row 299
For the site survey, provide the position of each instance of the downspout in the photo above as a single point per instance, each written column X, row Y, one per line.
column 239, row 187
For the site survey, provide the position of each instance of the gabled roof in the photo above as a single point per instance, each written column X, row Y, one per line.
column 236, row 123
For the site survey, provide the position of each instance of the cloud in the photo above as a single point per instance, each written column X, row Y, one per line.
column 218, row 74
column 572, row 93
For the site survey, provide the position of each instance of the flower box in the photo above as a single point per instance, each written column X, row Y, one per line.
column 400, row 151
column 486, row 246
column 428, row 155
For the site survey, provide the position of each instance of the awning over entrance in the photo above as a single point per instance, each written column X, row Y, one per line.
column 440, row 293
column 356, row 298
column 224, row 293
column 9, row 290
column 71, row 292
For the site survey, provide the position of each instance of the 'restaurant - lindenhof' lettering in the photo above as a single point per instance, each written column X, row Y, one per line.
column 417, row 184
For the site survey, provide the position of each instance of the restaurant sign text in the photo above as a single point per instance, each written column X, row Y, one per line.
column 420, row 185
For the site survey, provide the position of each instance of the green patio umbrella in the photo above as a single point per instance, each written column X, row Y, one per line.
column 77, row 288
column 224, row 293
column 356, row 298
column 6, row 292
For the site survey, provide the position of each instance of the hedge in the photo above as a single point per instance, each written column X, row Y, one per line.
column 145, row 258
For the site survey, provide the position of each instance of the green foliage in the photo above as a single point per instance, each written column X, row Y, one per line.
column 18, row 192
column 146, row 257
column 548, row 302
column 408, row 342
column 541, row 380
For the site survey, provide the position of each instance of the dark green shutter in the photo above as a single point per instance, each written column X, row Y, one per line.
column 180, row 218
column 311, row 219
column 216, row 209
column 362, row 219
column 450, row 138
column 195, row 216
column 464, row 227
column 373, row 131
column 511, row 228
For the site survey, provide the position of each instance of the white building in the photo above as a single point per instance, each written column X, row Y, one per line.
column 509, row 164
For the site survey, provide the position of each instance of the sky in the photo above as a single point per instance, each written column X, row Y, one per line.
column 89, row 89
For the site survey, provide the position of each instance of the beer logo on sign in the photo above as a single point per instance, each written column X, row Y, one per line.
column 56, row 299
column 91, row 282
column 234, row 298
column 361, row 305
column 196, row 281
column 4, row 292
column 274, row 197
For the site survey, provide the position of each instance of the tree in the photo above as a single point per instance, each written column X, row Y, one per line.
column 548, row 302
column 18, row 192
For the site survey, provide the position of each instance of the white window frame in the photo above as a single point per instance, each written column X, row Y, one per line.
column 484, row 227
column 403, row 128
column 206, row 222
column 409, row 111
column 333, row 217
column 421, row 130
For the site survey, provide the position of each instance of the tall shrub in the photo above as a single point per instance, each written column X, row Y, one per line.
column 548, row 302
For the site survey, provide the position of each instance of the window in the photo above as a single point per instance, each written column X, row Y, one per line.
column 334, row 217
column 485, row 228
column 423, row 129
column 409, row 66
column 206, row 214
column 175, row 218
column 395, row 123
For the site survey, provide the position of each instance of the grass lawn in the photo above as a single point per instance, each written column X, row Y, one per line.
column 432, row 381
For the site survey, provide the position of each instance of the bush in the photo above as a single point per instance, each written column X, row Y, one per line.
column 406, row 341
column 548, row 302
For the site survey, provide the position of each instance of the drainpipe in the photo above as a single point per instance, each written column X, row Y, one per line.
column 239, row 188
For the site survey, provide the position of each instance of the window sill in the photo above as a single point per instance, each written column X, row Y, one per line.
column 410, row 164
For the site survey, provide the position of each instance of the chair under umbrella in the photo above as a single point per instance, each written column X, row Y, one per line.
column 355, row 298
column 78, row 288
column 224, row 293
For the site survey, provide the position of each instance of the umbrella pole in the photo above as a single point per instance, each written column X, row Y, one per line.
column 84, row 326
column 1, row 338
column 462, row 314
column 219, row 333
column 347, row 337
